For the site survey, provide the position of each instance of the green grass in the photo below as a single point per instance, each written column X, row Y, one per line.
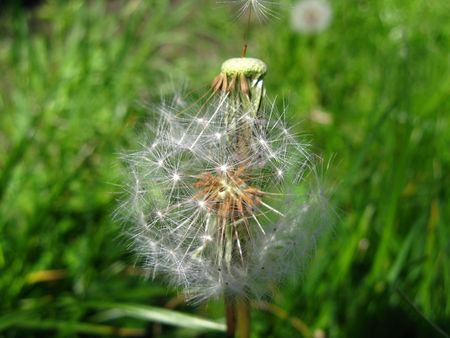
column 73, row 79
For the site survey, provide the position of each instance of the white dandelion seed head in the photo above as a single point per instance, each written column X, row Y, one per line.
column 215, row 222
column 311, row 16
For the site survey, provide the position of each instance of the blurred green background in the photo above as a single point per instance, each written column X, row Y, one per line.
column 371, row 92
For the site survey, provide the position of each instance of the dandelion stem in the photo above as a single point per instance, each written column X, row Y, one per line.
column 246, row 34
column 230, row 310
column 238, row 317
column 241, row 109
column 243, row 318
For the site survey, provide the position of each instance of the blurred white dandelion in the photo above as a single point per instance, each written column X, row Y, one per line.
column 311, row 16
column 215, row 198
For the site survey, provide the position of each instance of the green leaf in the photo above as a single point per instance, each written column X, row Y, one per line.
column 155, row 314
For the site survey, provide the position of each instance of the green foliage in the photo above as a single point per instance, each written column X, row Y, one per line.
column 371, row 92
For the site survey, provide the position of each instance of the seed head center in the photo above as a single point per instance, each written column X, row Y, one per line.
column 228, row 194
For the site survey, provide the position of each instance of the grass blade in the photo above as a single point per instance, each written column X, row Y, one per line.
column 155, row 314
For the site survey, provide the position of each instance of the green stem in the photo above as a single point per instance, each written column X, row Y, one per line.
column 243, row 318
column 230, row 310
column 238, row 317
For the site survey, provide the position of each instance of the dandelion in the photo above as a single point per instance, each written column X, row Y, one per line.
column 311, row 16
column 261, row 8
column 213, row 196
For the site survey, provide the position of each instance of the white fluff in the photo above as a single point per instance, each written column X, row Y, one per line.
column 175, row 233
column 311, row 16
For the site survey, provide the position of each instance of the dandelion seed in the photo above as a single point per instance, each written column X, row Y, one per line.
column 311, row 16
column 263, row 9
column 201, row 120
column 223, row 168
column 175, row 177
